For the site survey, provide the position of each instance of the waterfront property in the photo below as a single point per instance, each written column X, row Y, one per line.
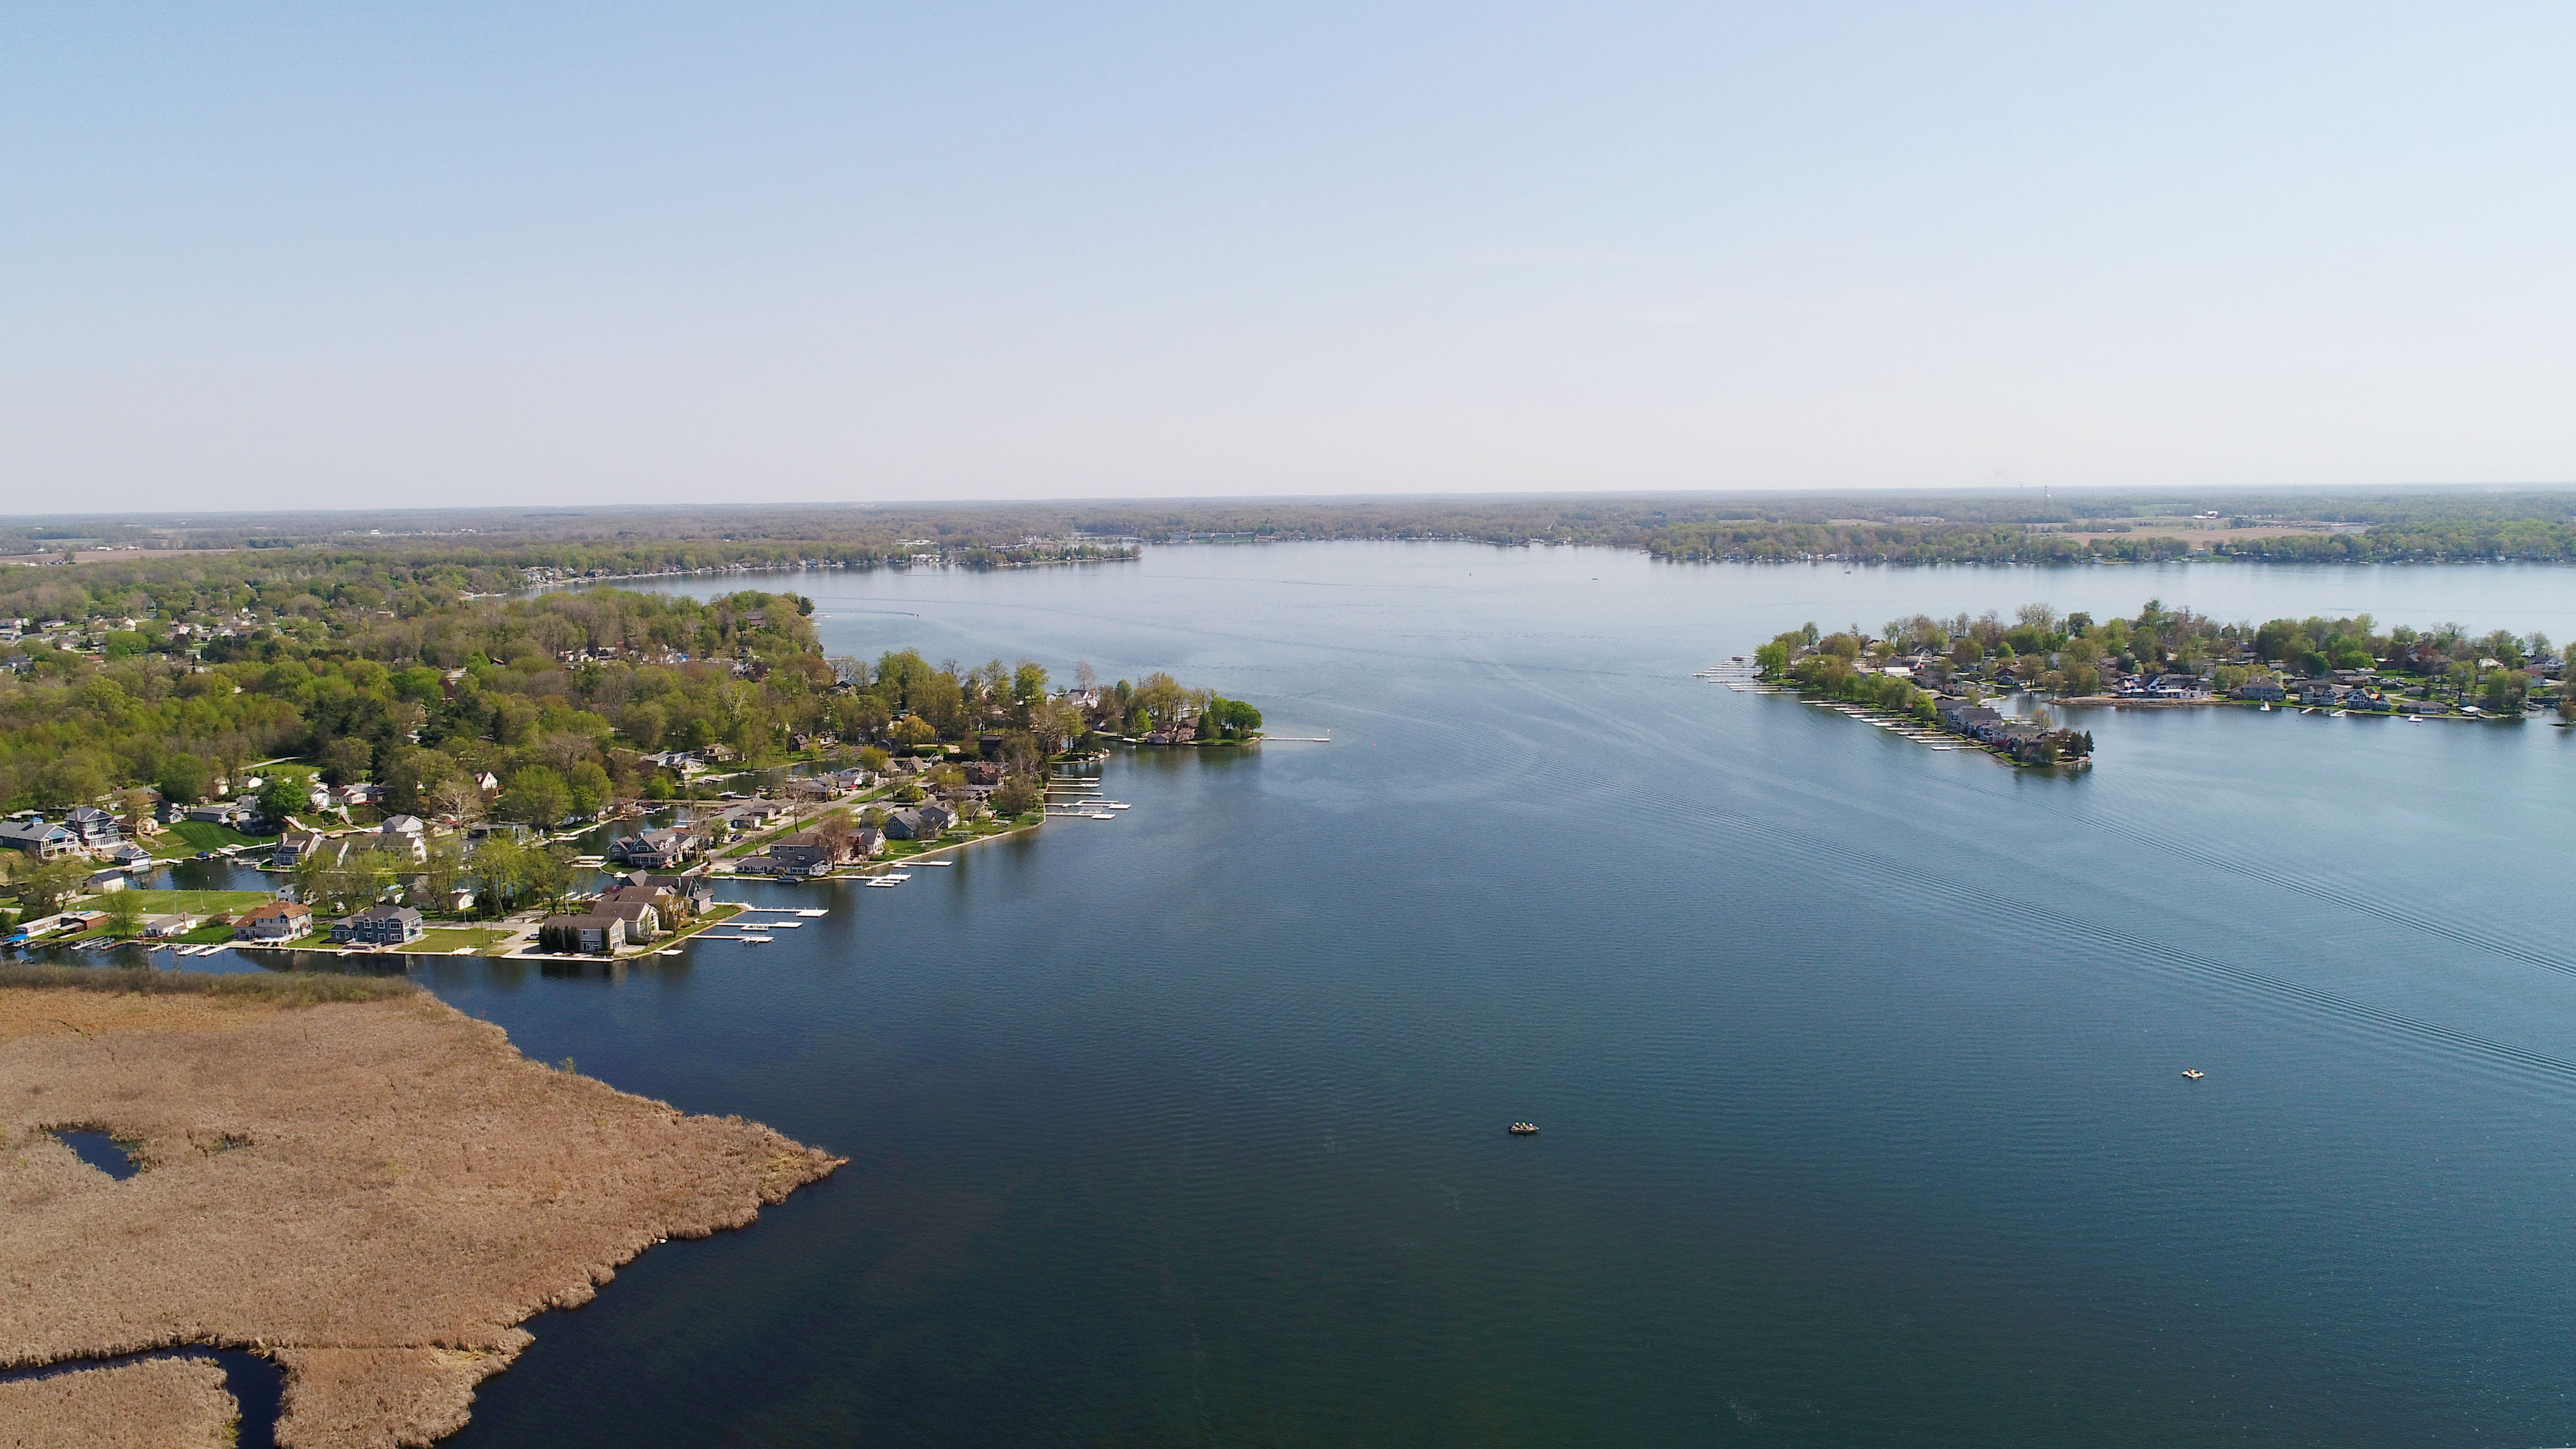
column 379, row 926
column 589, row 934
column 276, row 921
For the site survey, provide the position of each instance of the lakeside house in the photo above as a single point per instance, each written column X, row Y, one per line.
column 40, row 838
column 381, row 926
column 642, row 921
column 2162, row 686
column 654, row 849
column 2024, row 740
column 591, row 934
column 670, row 911
column 404, row 835
column 294, row 844
column 96, row 828
column 276, row 921
column 692, row 891
column 792, row 863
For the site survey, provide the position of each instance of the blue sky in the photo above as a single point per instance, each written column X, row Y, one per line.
column 270, row 257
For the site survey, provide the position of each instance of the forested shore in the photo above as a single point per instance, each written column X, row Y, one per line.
column 497, row 550
column 364, row 697
column 1922, row 665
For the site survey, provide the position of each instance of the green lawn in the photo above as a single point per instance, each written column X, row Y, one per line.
column 714, row 915
column 196, row 835
column 754, row 845
column 444, row 940
column 163, row 903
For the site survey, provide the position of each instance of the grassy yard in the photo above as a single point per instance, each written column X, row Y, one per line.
column 446, row 940
column 980, row 830
column 714, row 915
column 754, row 845
column 192, row 836
column 197, row 903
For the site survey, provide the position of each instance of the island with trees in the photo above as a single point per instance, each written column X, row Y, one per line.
column 1939, row 671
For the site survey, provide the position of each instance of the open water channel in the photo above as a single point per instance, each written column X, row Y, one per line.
column 1859, row 1064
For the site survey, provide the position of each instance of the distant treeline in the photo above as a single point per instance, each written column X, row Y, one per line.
column 493, row 550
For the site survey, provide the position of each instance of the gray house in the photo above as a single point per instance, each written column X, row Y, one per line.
column 382, row 926
column 40, row 838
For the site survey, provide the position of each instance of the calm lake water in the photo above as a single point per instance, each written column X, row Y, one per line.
column 1860, row 1065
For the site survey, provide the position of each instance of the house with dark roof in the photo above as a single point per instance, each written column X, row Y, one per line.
column 96, row 828
column 669, row 911
column 654, row 849
column 40, row 838
column 691, row 890
column 381, row 926
column 404, row 835
column 588, row 935
column 643, row 920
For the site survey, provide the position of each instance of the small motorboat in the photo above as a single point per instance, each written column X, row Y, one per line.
column 2192, row 1072
column 1524, row 1129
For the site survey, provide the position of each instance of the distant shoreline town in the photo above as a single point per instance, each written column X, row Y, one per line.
column 418, row 776
column 1939, row 673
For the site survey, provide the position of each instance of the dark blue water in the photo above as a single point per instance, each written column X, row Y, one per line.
column 98, row 1150
column 1859, row 1065
column 257, row 1386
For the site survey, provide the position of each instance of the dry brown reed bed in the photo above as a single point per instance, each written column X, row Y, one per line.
column 374, row 1192
column 151, row 1404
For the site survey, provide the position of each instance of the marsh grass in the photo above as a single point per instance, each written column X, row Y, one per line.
column 290, row 989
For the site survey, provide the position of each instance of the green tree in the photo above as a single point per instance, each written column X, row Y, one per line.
column 1028, row 688
column 499, row 869
column 586, row 789
column 549, row 875
column 346, row 760
column 74, row 779
column 2505, row 690
column 124, row 913
column 1233, row 718
column 1161, row 698
column 281, row 795
column 1016, row 797
column 534, row 796
column 44, row 887
column 182, row 777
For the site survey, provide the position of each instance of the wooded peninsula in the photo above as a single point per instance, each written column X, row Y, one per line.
column 1939, row 672
column 230, row 706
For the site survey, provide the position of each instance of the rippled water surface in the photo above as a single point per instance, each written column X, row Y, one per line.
column 1859, row 1064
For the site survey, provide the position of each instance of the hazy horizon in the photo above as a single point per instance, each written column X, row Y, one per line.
column 370, row 259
